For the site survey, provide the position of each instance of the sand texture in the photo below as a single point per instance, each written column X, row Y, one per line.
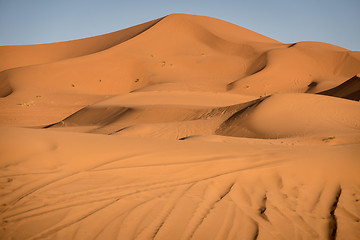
column 185, row 127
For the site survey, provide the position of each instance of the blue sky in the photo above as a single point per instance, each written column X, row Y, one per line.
column 44, row 21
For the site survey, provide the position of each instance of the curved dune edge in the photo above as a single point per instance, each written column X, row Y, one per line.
column 185, row 127
column 348, row 90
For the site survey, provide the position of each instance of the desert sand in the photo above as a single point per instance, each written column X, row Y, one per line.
column 185, row 127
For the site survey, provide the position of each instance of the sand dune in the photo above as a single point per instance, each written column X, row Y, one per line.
column 185, row 127
column 309, row 115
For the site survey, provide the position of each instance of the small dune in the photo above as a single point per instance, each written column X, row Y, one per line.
column 270, row 119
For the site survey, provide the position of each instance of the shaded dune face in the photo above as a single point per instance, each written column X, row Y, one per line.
column 92, row 116
column 349, row 90
column 172, row 121
column 184, row 127
column 5, row 87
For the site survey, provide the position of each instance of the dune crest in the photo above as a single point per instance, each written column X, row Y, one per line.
column 184, row 127
column 25, row 55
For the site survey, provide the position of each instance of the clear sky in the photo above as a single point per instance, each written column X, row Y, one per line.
column 288, row 21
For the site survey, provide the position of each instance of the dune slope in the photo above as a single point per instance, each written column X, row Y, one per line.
column 184, row 127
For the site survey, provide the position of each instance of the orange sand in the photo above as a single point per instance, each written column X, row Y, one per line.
column 185, row 127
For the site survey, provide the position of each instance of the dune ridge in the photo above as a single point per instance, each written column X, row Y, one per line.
column 184, row 127
column 25, row 55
